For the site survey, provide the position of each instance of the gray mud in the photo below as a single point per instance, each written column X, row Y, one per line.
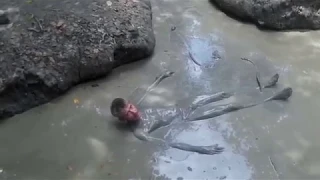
column 75, row 137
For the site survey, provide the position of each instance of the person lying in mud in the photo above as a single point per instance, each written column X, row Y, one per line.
column 142, row 124
column 129, row 114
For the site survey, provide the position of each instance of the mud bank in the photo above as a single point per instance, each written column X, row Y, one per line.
column 50, row 46
column 276, row 15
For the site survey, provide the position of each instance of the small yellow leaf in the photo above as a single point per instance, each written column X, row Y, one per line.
column 29, row 1
column 76, row 101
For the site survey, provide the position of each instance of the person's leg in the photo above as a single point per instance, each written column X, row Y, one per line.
column 207, row 99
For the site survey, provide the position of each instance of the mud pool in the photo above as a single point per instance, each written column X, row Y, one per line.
column 74, row 137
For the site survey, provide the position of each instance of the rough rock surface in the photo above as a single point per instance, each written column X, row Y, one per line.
column 275, row 14
column 54, row 45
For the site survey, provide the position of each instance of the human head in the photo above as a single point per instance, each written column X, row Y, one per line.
column 117, row 105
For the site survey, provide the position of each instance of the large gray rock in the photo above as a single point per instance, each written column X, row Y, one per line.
column 275, row 14
column 54, row 44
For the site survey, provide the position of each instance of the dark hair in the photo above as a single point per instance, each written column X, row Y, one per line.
column 116, row 106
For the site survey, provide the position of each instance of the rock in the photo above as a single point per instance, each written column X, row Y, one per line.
column 54, row 45
column 275, row 14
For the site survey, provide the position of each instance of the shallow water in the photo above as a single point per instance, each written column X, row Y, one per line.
column 74, row 137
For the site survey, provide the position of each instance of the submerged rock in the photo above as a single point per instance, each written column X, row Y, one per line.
column 275, row 14
column 54, row 45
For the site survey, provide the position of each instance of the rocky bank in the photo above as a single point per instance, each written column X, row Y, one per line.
column 275, row 14
column 50, row 46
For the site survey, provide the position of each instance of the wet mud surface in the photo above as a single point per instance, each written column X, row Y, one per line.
column 75, row 137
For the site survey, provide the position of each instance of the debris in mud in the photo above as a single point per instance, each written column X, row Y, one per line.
column 40, row 27
column 1, row 170
column 193, row 58
column 59, row 25
column 257, row 72
column 95, row 85
column 272, row 81
column 69, row 168
column 76, row 101
column 222, row 177
column 173, row 28
column 102, row 165
column 214, row 168
column 180, row 178
column 189, row 168
column 273, row 166
column 109, row 3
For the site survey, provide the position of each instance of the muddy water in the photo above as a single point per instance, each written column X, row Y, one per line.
column 75, row 137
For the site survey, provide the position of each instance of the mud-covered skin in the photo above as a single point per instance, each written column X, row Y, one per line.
column 218, row 111
column 154, row 119
column 161, row 123
column 142, row 130
column 186, row 113
column 283, row 95
column 157, row 81
column 210, row 150
column 210, row 99
column 143, row 135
